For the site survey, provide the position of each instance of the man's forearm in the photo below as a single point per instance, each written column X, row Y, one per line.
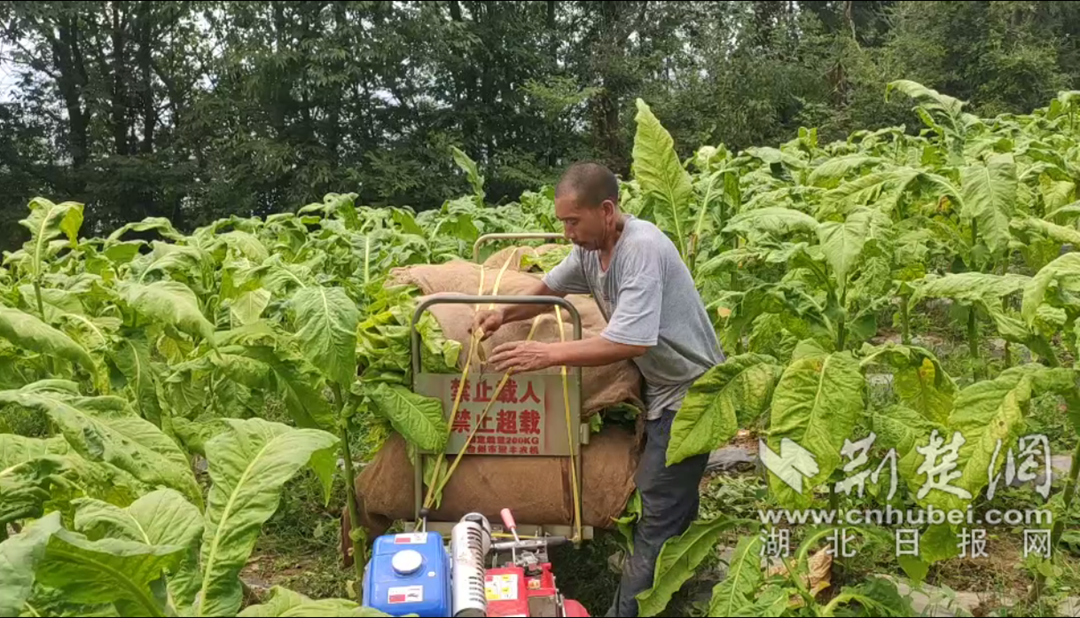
column 516, row 313
column 593, row 352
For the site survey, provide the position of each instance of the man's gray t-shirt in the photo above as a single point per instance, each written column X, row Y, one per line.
column 649, row 299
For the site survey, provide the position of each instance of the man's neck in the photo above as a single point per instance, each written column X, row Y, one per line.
column 608, row 246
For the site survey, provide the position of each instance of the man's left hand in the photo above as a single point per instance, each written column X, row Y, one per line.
column 522, row 356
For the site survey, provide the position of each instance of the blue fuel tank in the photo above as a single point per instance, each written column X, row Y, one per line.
column 409, row 574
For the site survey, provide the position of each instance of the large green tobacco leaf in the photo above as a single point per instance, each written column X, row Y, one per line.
column 55, row 302
column 679, row 558
column 990, row 198
column 105, row 429
column 169, row 302
column 732, row 596
column 285, row 602
column 94, row 334
column 176, row 261
column 969, row 287
column 919, row 379
column 985, row 413
column 306, row 405
column 281, row 600
column 126, row 573
column 727, row 396
column 159, row 224
column 34, row 471
column 772, row 600
column 815, row 405
column 162, row 517
column 30, row 333
column 132, row 358
column 26, row 487
column 46, row 222
column 879, row 190
column 927, row 97
column 19, row 557
column 1065, row 272
column 1053, row 231
column 476, row 180
column 248, row 307
column 903, row 429
column 417, row 418
column 843, row 242
column 326, row 319
column 248, row 466
column 772, row 220
column 662, row 177
column 833, row 170
column 246, row 244
column 16, row 449
column 878, row 597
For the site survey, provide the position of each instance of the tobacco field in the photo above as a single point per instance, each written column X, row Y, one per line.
column 167, row 396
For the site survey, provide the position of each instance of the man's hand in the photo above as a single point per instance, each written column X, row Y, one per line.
column 487, row 322
column 522, row 356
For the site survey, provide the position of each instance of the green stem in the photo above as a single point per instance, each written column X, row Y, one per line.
column 841, row 327
column 40, row 303
column 1051, row 358
column 699, row 225
column 797, row 579
column 49, row 366
column 367, row 260
column 1059, row 526
column 1070, row 495
column 359, row 557
column 973, row 342
column 836, row 602
column 735, row 287
column 905, row 319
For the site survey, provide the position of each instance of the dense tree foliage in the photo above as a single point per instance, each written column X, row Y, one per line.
column 198, row 110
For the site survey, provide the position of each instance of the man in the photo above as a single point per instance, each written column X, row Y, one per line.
column 655, row 317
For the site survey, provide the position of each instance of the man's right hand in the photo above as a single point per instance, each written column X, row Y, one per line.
column 487, row 321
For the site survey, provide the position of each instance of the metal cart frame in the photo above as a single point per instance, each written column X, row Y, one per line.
column 579, row 437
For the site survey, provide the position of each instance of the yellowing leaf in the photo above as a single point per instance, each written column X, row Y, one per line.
column 730, row 394
column 326, row 319
column 248, row 466
column 418, row 419
column 662, row 177
column 30, row 333
column 169, row 302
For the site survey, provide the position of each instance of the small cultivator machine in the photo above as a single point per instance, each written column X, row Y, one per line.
column 469, row 567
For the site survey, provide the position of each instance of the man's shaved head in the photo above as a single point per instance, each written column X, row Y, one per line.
column 587, row 203
column 589, row 183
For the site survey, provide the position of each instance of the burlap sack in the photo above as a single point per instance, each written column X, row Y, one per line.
column 601, row 386
column 497, row 259
column 536, row 489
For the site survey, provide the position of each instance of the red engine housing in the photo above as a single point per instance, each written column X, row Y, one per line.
column 513, row 592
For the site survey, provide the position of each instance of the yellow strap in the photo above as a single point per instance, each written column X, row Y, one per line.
column 438, row 484
column 570, row 437
column 483, row 415
column 474, row 344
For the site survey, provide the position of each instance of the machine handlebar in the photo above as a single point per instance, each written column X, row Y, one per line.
column 530, row 544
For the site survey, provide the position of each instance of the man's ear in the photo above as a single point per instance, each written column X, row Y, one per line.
column 609, row 207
